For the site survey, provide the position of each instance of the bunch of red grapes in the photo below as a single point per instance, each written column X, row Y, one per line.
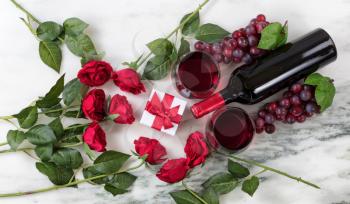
column 241, row 47
column 297, row 104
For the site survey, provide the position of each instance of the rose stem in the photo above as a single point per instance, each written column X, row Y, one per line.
column 31, row 17
column 193, row 193
column 4, row 143
column 25, row 11
column 175, row 30
column 29, row 148
column 68, row 184
column 299, row 179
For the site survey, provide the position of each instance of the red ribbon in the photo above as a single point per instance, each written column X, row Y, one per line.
column 165, row 116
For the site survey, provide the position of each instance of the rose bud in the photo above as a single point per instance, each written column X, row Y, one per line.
column 120, row 105
column 95, row 137
column 173, row 170
column 196, row 149
column 93, row 105
column 95, row 73
column 154, row 150
column 128, row 80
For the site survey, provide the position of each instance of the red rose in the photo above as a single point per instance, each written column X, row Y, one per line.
column 173, row 170
column 128, row 80
column 95, row 73
column 93, row 105
column 95, row 137
column 196, row 149
column 120, row 105
column 152, row 148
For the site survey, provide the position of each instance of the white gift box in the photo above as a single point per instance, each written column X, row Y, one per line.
column 163, row 112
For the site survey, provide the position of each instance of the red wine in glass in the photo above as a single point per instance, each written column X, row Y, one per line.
column 196, row 75
column 230, row 128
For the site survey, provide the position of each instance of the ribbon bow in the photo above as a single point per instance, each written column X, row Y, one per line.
column 165, row 116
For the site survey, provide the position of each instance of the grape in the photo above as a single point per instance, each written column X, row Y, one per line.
column 260, row 18
column 311, row 107
column 259, row 123
column 298, row 104
column 241, row 46
column 290, row 119
column 301, row 118
column 269, row 118
column 242, row 42
column 285, row 103
column 255, row 51
column 253, row 41
column 238, row 53
column 296, row 88
column 227, row 52
column 295, row 100
column 218, row 58
column 199, row 45
column 270, row 129
column 280, row 111
column 247, row 59
column 296, row 111
column 217, row 49
column 305, row 95
column 271, row 107
column 250, row 30
column 262, row 113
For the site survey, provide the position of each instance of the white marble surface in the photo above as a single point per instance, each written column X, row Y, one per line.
column 317, row 150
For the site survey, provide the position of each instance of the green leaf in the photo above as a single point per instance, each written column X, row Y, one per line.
column 41, row 135
column 74, row 91
column 89, row 152
column 161, row 46
column 48, row 31
column 74, row 130
column 80, row 45
column 74, row 26
column 107, row 163
column 58, row 175
column 44, row 152
column 51, row 98
column 90, row 172
column 67, row 157
column 184, row 197
column 284, row 35
column 273, row 36
column 119, row 183
column 110, row 161
column 237, row 170
column 325, row 89
column 250, row 185
column 27, row 117
column 192, row 25
column 54, row 111
column 122, row 180
column 211, row 196
column 50, row 54
column 157, row 68
column 184, row 47
column 211, row 33
column 57, row 127
column 15, row 138
column 114, row 191
column 74, row 114
column 88, row 57
column 221, row 182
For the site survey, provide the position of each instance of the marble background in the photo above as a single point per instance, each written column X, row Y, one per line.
column 317, row 150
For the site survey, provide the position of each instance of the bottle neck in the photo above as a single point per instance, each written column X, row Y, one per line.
column 213, row 103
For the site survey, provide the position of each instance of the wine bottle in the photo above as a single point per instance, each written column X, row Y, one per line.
column 250, row 84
